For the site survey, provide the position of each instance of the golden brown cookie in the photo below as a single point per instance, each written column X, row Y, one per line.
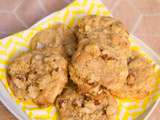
column 93, row 66
column 74, row 106
column 39, row 75
column 107, row 28
column 58, row 36
column 141, row 78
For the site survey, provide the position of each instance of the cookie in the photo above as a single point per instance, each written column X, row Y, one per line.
column 107, row 28
column 39, row 75
column 58, row 36
column 140, row 81
column 74, row 106
column 93, row 66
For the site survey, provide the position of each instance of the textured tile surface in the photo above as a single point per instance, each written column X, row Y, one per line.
column 9, row 23
column 126, row 13
column 54, row 5
column 30, row 11
column 147, row 6
column 151, row 24
column 8, row 5
column 141, row 17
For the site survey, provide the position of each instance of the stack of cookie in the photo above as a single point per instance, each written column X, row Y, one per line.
column 104, row 58
column 82, row 71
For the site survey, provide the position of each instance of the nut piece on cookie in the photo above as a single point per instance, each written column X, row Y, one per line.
column 39, row 75
column 140, row 81
column 58, row 36
column 74, row 106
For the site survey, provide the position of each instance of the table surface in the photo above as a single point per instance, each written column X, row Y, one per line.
column 141, row 17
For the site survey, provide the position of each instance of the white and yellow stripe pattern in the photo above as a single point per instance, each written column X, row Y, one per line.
column 17, row 43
